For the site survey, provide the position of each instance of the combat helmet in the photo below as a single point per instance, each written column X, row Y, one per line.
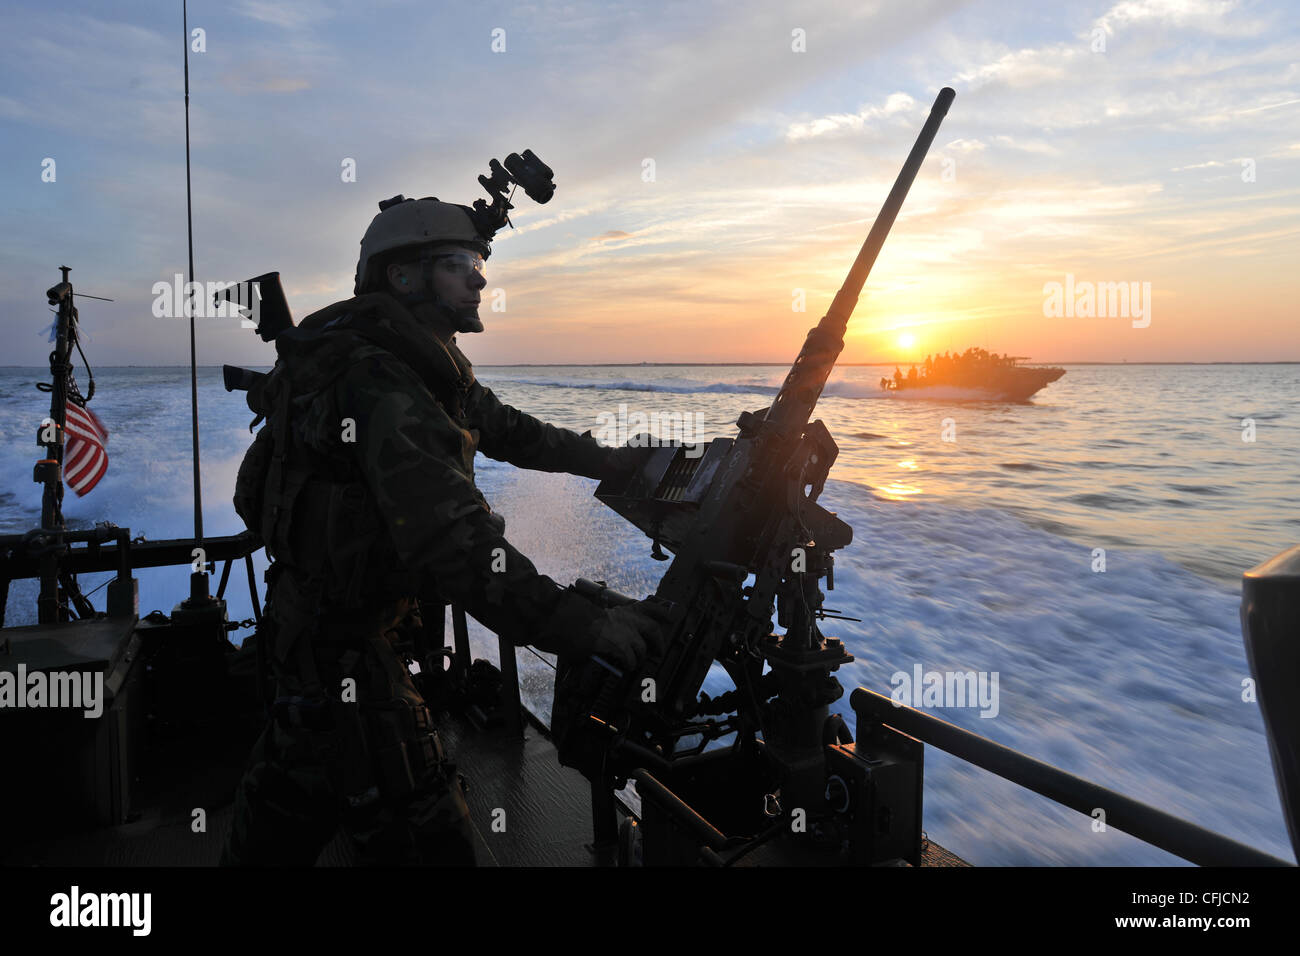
column 415, row 224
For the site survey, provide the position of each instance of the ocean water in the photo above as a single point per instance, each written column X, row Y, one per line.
column 979, row 531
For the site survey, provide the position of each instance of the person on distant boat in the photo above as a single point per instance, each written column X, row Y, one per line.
column 362, row 488
column 911, row 375
column 898, row 377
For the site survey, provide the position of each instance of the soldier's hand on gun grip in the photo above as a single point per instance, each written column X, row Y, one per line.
column 621, row 462
column 626, row 636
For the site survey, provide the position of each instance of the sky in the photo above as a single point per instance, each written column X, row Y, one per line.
column 1151, row 142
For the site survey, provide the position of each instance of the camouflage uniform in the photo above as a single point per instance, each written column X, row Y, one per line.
column 373, row 506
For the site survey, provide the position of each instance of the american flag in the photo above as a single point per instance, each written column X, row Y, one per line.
column 85, row 459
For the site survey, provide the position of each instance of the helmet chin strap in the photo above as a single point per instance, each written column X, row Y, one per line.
column 465, row 321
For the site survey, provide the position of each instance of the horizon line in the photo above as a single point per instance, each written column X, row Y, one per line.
column 783, row 364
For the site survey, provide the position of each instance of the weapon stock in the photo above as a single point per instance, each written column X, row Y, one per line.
column 270, row 311
column 241, row 379
column 748, row 538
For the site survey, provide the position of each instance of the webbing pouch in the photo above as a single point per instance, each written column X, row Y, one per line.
column 408, row 749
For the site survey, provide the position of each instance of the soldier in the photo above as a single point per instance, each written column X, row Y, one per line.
column 362, row 488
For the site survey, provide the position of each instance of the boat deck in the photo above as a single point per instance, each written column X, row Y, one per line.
column 547, row 817
column 526, row 809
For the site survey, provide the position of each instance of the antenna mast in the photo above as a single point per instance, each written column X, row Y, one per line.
column 199, row 579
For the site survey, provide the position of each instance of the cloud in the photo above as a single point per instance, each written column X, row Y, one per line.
column 247, row 80
column 895, row 104
column 72, row 82
column 1039, row 146
column 1022, row 68
column 611, row 234
column 288, row 14
column 1215, row 17
column 641, row 85
column 1270, row 106
column 527, row 226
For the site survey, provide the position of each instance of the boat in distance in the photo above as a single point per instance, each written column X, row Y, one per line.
column 973, row 375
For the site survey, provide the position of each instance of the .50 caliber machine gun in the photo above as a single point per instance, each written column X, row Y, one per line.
column 748, row 539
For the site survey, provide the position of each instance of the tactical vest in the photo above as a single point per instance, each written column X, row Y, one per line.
column 313, row 512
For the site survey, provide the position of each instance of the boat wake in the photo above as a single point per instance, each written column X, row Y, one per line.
column 686, row 388
column 852, row 390
column 935, row 393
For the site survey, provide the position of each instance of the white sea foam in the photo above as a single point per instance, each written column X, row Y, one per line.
column 678, row 388
column 1131, row 678
column 932, row 393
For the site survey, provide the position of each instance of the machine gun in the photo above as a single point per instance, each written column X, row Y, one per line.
column 748, row 538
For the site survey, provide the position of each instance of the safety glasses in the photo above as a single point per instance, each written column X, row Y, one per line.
column 462, row 263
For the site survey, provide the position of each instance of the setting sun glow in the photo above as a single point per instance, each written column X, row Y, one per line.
column 906, row 341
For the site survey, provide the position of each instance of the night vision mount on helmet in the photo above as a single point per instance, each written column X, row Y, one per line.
column 422, row 224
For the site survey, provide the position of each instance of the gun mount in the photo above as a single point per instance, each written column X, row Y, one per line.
column 749, row 540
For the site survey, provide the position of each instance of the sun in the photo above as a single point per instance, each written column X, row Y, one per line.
column 906, row 341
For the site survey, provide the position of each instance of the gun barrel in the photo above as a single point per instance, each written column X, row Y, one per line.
column 847, row 298
column 803, row 386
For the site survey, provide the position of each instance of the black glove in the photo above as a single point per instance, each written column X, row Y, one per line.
column 620, row 463
column 626, row 636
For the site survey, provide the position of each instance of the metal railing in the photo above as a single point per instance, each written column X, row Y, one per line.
column 1183, row 839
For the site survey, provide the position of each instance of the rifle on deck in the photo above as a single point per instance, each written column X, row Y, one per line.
column 748, row 538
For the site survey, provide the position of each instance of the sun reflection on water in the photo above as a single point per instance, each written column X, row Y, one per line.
column 897, row 491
